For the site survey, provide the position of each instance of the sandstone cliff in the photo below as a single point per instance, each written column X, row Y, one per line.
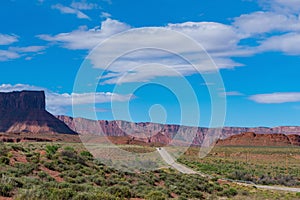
column 162, row 133
column 25, row 112
column 253, row 139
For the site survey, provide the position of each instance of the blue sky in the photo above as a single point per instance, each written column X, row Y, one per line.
column 254, row 44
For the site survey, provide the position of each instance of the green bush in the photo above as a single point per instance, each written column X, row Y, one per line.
column 68, row 148
column 16, row 147
column 50, row 165
column 33, row 157
column 86, row 154
column 24, row 169
column 35, row 193
column 61, row 194
column 51, row 150
column 156, row 195
column 4, row 160
column 6, row 186
column 229, row 192
column 120, row 191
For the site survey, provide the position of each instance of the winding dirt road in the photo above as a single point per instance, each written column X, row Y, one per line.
column 183, row 169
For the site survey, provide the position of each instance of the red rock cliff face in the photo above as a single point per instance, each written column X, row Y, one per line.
column 163, row 133
column 252, row 139
column 25, row 112
column 26, row 100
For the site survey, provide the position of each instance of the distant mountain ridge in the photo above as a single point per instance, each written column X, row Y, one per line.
column 24, row 112
column 162, row 133
column 253, row 139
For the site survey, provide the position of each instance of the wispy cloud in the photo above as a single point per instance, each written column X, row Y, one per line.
column 265, row 22
column 7, row 39
column 28, row 49
column 215, row 38
column 57, row 103
column 84, row 5
column 105, row 15
column 70, row 10
column 8, row 55
column 288, row 43
column 272, row 29
column 84, row 38
column 17, row 52
column 232, row 93
column 276, row 98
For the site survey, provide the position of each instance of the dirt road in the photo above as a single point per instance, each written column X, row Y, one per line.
column 183, row 169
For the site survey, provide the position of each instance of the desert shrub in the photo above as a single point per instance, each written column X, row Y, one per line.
column 42, row 174
column 182, row 198
column 197, row 194
column 72, row 157
column 105, row 196
column 95, row 196
column 120, row 191
column 81, row 187
column 156, row 195
column 61, row 194
column 50, row 165
column 229, row 192
column 33, row 157
column 6, row 186
column 34, row 193
column 28, row 182
column 3, row 149
column 51, row 150
column 245, row 193
column 68, row 148
column 86, row 154
column 99, row 181
column 24, row 169
column 286, row 180
column 16, row 147
column 79, row 180
column 4, row 160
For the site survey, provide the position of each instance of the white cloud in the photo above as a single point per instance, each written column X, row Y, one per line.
column 17, row 52
column 232, row 93
column 8, row 55
column 69, row 10
column 213, row 36
column 265, row 22
column 56, row 103
column 28, row 49
column 87, row 39
column 7, row 39
column 220, row 40
column 284, row 6
column 276, row 98
column 105, row 15
column 83, row 5
column 287, row 43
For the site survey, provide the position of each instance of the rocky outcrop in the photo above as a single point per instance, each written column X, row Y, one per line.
column 253, row 139
column 146, row 132
column 26, row 100
column 25, row 112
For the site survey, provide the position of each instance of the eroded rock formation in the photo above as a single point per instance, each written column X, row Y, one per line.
column 25, row 112
column 253, row 139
